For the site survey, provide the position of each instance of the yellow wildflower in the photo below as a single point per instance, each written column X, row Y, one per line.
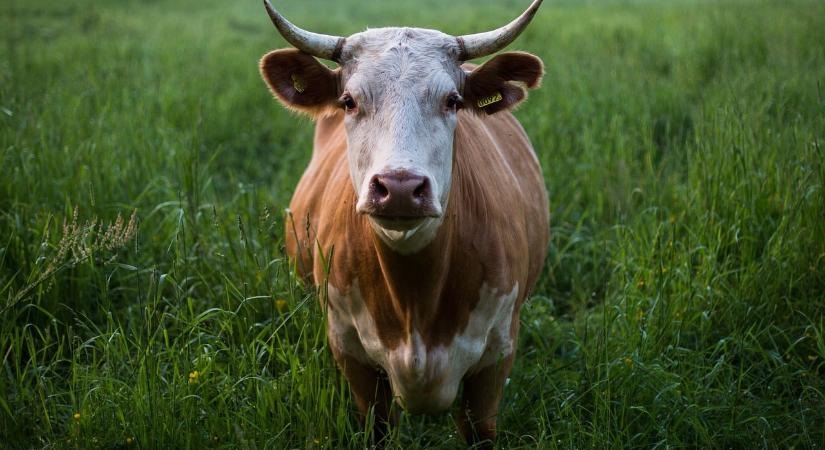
column 193, row 376
column 628, row 361
column 76, row 416
column 280, row 304
column 129, row 440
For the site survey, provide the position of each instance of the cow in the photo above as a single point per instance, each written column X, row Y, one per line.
column 422, row 217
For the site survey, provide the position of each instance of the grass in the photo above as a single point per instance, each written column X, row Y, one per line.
column 683, row 144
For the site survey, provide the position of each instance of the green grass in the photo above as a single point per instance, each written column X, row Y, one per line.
column 683, row 144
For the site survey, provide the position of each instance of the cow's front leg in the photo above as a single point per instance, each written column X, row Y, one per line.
column 479, row 403
column 370, row 389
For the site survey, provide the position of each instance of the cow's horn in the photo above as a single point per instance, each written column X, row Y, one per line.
column 319, row 45
column 489, row 42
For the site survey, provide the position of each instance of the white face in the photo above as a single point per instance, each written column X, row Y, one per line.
column 402, row 86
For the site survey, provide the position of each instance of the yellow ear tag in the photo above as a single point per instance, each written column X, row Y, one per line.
column 490, row 100
column 298, row 84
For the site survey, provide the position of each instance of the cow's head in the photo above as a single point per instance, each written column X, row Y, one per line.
column 401, row 90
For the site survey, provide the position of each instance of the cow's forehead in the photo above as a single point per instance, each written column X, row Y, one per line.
column 380, row 60
column 423, row 44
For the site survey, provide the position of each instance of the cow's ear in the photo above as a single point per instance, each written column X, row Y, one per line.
column 502, row 82
column 300, row 81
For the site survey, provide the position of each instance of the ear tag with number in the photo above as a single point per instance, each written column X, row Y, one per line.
column 490, row 100
column 298, row 83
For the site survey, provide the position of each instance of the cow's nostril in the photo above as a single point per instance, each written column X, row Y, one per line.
column 423, row 190
column 379, row 190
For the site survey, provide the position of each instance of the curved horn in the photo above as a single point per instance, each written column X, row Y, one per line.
column 489, row 42
column 320, row 45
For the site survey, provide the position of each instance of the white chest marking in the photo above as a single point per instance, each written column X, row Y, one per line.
column 425, row 380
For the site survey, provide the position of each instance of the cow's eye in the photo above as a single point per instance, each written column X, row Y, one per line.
column 454, row 102
column 348, row 103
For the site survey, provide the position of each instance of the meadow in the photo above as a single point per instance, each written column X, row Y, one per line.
column 146, row 300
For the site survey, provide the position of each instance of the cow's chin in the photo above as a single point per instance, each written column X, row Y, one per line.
column 407, row 235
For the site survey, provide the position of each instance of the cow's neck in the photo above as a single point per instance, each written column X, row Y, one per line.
column 416, row 281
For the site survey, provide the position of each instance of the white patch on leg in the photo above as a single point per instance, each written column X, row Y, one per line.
column 422, row 379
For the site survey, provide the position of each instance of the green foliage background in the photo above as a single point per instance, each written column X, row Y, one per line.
column 683, row 297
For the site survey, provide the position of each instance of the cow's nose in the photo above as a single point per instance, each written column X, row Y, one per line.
column 400, row 194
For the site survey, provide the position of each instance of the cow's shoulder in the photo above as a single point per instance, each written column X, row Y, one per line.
column 500, row 197
column 322, row 193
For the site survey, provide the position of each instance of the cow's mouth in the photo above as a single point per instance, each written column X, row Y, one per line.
column 398, row 223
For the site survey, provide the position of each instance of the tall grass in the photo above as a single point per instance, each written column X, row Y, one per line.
column 683, row 144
